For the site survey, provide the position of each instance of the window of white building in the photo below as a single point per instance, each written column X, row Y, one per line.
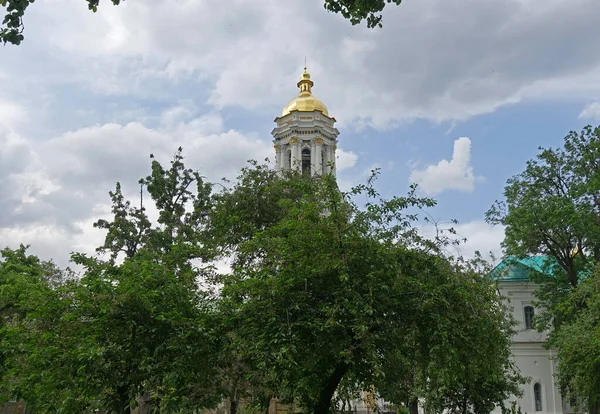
column 537, row 396
column 529, row 313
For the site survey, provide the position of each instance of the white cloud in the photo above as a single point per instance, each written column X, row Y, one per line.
column 49, row 241
column 456, row 174
column 480, row 236
column 591, row 111
column 15, row 157
column 14, row 152
column 60, row 186
column 149, row 76
column 181, row 113
column 345, row 159
column 249, row 54
column 11, row 114
column 107, row 153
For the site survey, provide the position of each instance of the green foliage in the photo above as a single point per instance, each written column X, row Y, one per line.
column 182, row 199
column 356, row 11
column 553, row 207
column 469, row 363
column 512, row 409
column 578, row 340
column 139, row 323
column 25, row 282
column 456, row 354
column 324, row 293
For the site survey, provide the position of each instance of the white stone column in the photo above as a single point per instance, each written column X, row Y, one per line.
column 333, row 168
column 286, row 159
column 327, row 159
column 293, row 152
column 277, row 157
column 318, row 156
column 313, row 158
column 299, row 156
column 296, row 155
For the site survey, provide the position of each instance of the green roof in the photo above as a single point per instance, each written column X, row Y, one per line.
column 517, row 269
column 520, row 269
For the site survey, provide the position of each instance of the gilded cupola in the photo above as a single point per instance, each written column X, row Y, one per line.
column 305, row 101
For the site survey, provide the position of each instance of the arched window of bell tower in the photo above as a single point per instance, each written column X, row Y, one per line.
column 306, row 161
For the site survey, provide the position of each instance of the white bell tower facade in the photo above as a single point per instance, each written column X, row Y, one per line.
column 305, row 138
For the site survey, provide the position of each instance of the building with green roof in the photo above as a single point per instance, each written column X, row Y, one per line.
column 516, row 281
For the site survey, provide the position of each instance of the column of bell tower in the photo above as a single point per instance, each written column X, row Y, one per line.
column 305, row 138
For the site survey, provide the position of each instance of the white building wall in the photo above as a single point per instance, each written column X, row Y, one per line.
column 530, row 356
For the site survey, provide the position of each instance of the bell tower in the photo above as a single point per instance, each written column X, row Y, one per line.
column 305, row 138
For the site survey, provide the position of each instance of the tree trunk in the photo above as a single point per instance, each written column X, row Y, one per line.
column 324, row 403
column 125, row 407
column 595, row 407
column 268, row 404
column 233, row 398
column 123, row 404
column 145, row 404
column 413, row 406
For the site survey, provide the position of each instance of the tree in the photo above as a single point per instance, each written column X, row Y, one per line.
column 461, row 361
column 166, row 316
column 136, row 324
column 25, row 283
column 324, row 292
column 552, row 209
column 578, row 340
column 356, row 11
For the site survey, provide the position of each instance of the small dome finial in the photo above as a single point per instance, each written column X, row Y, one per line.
column 305, row 83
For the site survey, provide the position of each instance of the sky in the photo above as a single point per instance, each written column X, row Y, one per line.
column 453, row 96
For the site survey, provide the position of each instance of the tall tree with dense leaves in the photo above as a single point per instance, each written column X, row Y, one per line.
column 355, row 11
column 322, row 289
column 578, row 340
column 457, row 354
column 26, row 283
column 138, row 324
column 552, row 208
column 327, row 290
column 165, row 311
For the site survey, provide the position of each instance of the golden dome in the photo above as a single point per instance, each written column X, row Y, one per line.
column 305, row 101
